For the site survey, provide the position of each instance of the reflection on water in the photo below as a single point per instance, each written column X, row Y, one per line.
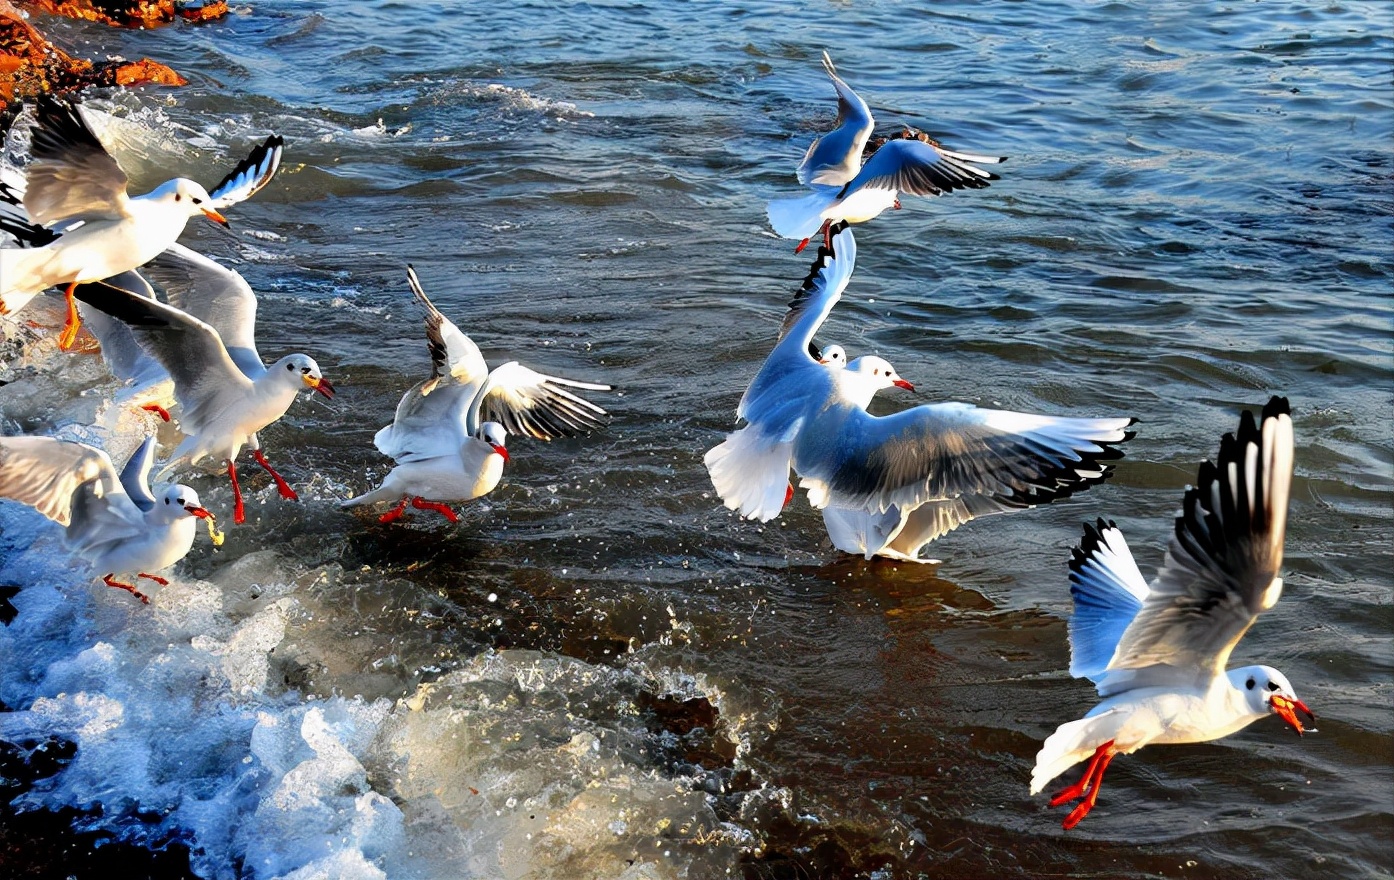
column 1196, row 215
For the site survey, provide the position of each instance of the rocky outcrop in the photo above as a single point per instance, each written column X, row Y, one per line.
column 30, row 65
column 133, row 13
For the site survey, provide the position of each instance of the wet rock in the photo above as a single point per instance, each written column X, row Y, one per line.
column 133, row 13
column 30, row 65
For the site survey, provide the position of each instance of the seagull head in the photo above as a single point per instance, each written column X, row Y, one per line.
column 190, row 196
column 834, row 356
column 302, row 368
column 180, row 501
column 1267, row 690
column 494, row 434
column 878, row 372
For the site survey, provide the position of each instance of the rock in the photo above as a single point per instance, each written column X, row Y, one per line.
column 133, row 13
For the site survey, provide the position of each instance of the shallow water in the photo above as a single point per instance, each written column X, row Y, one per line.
column 1197, row 214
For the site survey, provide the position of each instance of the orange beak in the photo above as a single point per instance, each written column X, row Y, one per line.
column 200, row 512
column 216, row 217
column 901, row 383
column 320, row 385
column 501, row 451
column 1287, row 710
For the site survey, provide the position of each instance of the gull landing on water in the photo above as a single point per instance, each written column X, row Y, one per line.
column 112, row 521
column 449, row 434
column 1158, row 654
column 206, row 341
column 846, row 189
column 808, row 413
column 76, row 192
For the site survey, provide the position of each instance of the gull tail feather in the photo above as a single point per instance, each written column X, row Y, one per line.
column 19, row 279
column 751, row 473
column 803, row 216
column 380, row 494
column 1071, row 743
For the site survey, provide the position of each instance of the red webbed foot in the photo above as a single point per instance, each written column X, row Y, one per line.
column 443, row 510
column 395, row 513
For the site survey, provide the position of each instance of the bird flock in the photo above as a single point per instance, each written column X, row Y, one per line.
column 886, row 485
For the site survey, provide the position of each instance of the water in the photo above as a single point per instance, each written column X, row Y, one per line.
column 1196, row 215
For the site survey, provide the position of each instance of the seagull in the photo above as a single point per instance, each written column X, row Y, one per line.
column 113, row 521
column 444, row 452
column 77, row 191
column 205, row 339
column 1157, row 654
column 812, row 417
column 845, row 189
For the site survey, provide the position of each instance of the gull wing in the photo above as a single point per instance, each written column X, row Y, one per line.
column 430, row 423
column 206, row 381
column 72, row 175
column 912, row 166
column 533, row 404
column 835, row 158
column 944, row 450
column 822, row 288
column 44, row 472
column 15, row 222
column 250, row 175
column 216, row 295
column 124, row 357
column 1108, row 591
column 453, row 354
column 135, row 476
column 1221, row 568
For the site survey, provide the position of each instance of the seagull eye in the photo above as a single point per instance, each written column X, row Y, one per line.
column 290, row 367
column 178, row 196
column 1249, row 684
column 166, row 500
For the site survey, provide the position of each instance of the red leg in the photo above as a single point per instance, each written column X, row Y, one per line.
column 443, row 510
column 1083, row 808
column 154, row 577
column 281, row 485
column 395, row 513
column 70, row 327
column 803, row 244
column 239, row 515
column 827, row 234
column 157, row 410
column 1077, row 790
column 897, row 204
column 110, row 581
column 788, row 495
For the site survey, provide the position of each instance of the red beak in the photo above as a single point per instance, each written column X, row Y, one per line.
column 321, row 385
column 901, row 383
column 200, row 512
column 216, row 217
column 1287, row 710
column 501, row 451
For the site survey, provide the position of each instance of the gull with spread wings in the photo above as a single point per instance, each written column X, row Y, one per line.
column 112, row 520
column 1157, row 654
column 205, row 339
column 845, row 189
column 808, row 413
column 448, row 436
column 76, row 191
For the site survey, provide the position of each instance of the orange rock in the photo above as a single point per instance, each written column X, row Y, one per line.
column 132, row 13
column 30, row 65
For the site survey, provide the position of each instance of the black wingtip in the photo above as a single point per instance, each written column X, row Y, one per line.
column 1276, row 406
column 1090, row 543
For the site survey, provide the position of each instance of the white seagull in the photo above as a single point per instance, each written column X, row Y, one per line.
column 847, row 190
column 1157, row 654
column 78, row 191
column 113, row 521
column 812, row 416
column 206, row 341
column 448, row 436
